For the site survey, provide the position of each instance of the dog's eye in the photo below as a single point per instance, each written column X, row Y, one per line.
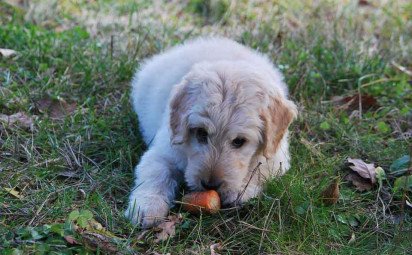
column 238, row 142
column 201, row 135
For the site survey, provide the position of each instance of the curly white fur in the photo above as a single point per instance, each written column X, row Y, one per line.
column 193, row 101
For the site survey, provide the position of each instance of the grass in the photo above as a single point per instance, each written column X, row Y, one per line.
column 85, row 54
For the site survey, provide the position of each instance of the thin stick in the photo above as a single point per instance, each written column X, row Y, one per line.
column 111, row 46
column 40, row 208
column 254, row 227
column 265, row 225
column 240, row 195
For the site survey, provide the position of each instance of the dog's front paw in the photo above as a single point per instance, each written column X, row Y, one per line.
column 146, row 210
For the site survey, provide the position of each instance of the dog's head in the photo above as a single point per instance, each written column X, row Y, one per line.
column 224, row 116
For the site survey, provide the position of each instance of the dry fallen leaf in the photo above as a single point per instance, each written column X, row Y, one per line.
column 215, row 247
column 14, row 193
column 57, row 109
column 96, row 237
column 96, row 241
column 360, row 183
column 363, row 3
column 330, row 195
column 70, row 240
column 19, row 119
column 167, row 228
column 351, row 103
column 7, row 53
column 365, row 170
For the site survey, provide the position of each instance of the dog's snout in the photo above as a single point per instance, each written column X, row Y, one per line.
column 211, row 185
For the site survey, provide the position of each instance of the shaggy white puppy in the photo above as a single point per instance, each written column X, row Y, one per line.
column 214, row 114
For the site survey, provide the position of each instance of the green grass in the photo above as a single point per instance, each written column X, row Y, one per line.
column 324, row 51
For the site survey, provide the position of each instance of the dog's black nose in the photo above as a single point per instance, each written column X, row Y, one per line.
column 211, row 185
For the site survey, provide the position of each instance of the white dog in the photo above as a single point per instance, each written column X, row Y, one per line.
column 215, row 114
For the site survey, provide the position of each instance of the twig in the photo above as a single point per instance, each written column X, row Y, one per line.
column 40, row 208
column 111, row 46
column 254, row 227
column 48, row 161
column 140, row 44
column 401, row 68
column 279, row 216
column 265, row 225
column 359, row 91
column 378, row 81
column 240, row 195
column 311, row 147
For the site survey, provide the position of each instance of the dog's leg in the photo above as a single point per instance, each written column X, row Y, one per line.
column 155, row 186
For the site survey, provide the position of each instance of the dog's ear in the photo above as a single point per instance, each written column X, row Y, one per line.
column 179, row 108
column 276, row 118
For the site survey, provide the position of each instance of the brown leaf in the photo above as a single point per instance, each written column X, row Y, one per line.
column 215, row 247
column 351, row 103
column 95, row 241
column 363, row 3
column 96, row 237
column 57, row 109
column 367, row 171
column 330, row 195
column 7, row 53
column 19, row 119
column 167, row 228
column 360, row 183
column 70, row 240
